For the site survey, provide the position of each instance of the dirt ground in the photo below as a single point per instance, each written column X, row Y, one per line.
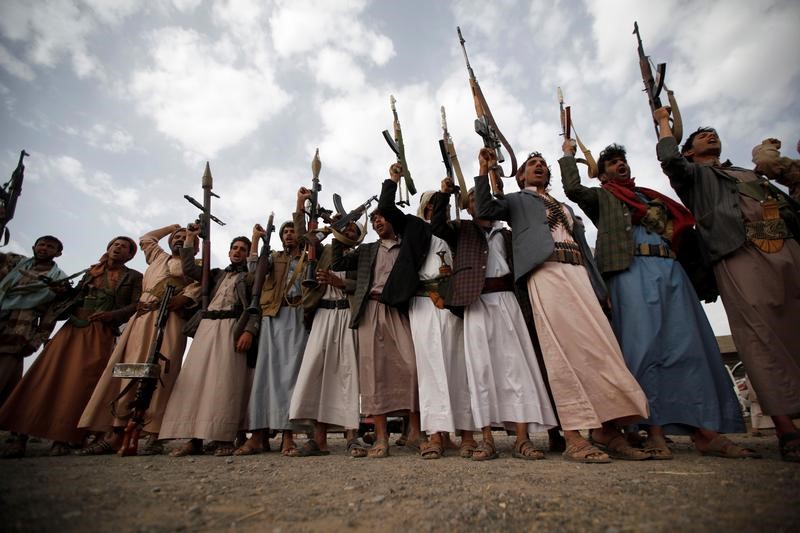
column 268, row 492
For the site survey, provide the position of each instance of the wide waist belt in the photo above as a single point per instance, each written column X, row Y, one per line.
column 334, row 304
column 427, row 286
column 656, row 250
column 566, row 252
column 770, row 230
column 375, row 296
column 220, row 314
column 501, row 284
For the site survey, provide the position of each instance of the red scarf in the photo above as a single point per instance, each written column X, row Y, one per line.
column 625, row 191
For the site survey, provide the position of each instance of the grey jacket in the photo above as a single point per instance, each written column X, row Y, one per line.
column 531, row 241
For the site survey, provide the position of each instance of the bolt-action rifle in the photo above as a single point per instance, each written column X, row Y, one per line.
column 567, row 128
column 654, row 85
column 453, row 167
column 8, row 197
column 406, row 185
column 486, row 127
column 146, row 377
column 204, row 220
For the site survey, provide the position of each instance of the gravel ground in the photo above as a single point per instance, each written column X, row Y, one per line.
column 268, row 492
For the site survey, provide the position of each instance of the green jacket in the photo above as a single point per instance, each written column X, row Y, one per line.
column 614, row 246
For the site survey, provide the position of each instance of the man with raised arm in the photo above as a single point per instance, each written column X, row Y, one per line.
column 749, row 229
column 164, row 268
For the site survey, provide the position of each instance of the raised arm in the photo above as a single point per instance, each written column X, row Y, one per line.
column 386, row 203
column 486, row 207
column 586, row 197
column 440, row 226
column 190, row 268
column 679, row 170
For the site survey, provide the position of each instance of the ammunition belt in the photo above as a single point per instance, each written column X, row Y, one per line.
column 221, row 314
column 771, row 230
column 566, row 252
column 654, row 250
column 501, row 284
column 334, row 304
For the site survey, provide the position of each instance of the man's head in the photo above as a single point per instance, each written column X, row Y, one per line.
column 352, row 231
column 121, row 249
column 381, row 226
column 613, row 164
column 425, row 209
column 471, row 205
column 239, row 250
column 534, row 172
column 177, row 240
column 288, row 238
column 47, row 248
column 704, row 143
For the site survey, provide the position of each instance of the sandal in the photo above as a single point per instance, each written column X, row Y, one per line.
column 721, row 446
column 431, row 450
column 247, row 449
column 790, row 451
column 618, row 448
column 583, row 452
column 485, row 452
column 355, row 449
column 98, row 447
column 310, row 449
column 379, row 450
column 467, row 449
column 657, row 450
column 152, row 446
column 524, row 449
column 58, row 449
column 193, row 447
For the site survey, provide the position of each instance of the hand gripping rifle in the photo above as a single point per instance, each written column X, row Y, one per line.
column 654, row 85
column 204, row 220
column 486, row 127
column 406, row 186
column 567, row 127
column 310, row 277
column 146, row 376
column 453, row 167
column 262, row 267
column 8, row 197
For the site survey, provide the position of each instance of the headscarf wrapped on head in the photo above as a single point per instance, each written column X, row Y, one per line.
column 424, row 200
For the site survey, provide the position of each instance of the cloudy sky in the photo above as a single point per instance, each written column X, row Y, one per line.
column 121, row 102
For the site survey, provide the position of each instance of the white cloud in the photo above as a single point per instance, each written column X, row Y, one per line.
column 98, row 185
column 198, row 97
column 107, row 138
column 336, row 69
column 302, row 26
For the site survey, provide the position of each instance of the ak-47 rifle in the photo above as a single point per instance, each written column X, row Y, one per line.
column 566, row 130
column 204, row 220
column 486, row 127
column 346, row 217
column 406, row 186
column 146, row 376
column 262, row 267
column 453, row 167
column 654, row 85
column 8, row 198
column 310, row 277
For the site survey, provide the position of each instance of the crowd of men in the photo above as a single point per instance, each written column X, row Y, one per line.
column 505, row 320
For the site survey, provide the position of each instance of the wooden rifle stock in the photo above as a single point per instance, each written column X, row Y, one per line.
column 262, row 267
column 310, row 277
column 147, row 381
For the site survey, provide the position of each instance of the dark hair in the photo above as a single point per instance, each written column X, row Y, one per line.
column 243, row 239
column 689, row 140
column 375, row 212
column 50, row 238
column 521, row 169
column 131, row 243
column 610, row 152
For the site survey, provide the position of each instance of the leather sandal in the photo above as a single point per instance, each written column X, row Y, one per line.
column 721, row 446
column 656, row 450
column 467, row 449
column 431, row 450
column 618, row 448
column 485, row 452
column 379, row 450
column 525, row 449
column 355, row 449
column 583, row 452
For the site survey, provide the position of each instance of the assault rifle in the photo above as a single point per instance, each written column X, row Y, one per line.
column 453, row 167
column 566, row 130
column 351, row 216
column 262, row 267
column 310, row 277
column 406, row 186
column 486, row 127
column 204, row 220
column 146, row 376
column 8, row 197
column 654, row 85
